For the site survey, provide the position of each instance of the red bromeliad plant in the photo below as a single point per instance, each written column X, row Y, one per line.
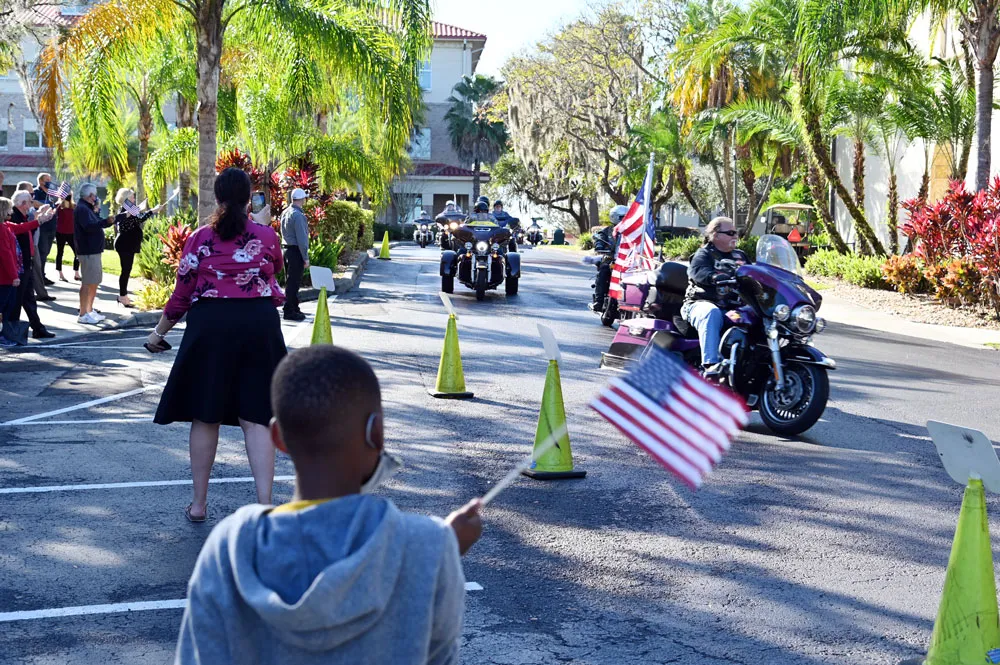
column 962, row 226
column 173, row 244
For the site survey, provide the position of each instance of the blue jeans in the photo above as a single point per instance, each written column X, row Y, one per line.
column 707, row 318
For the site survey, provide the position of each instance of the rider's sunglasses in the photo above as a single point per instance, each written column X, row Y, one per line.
column 727, row 233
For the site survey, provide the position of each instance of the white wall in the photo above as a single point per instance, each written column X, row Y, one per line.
column 449, row 63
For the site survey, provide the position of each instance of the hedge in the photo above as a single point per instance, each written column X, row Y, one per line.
column 865, row 271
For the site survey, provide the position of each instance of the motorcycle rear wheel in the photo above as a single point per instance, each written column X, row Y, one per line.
column 799, row 407
column 610, row 313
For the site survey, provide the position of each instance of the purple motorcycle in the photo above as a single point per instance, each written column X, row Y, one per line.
column 769, row 357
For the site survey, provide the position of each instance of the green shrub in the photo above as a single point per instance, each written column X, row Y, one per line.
column 864, row 271
column 681, row 248
column 326, row 254
column 366, row 236
column 825, row 263
column 153, row 295
column 749, row 247
column 394, row 232
column 336, row 219
column 905, row 273
column 586, row 241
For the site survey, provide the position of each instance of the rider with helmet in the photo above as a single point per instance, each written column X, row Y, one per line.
column 481, row 213
column 606, row 242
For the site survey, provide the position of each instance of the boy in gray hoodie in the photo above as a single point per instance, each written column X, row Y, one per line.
column 337, row 575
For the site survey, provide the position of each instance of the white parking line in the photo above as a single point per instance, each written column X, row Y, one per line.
column 115, row 486
column 88, row 422
column 94, row 402
column 118, row 608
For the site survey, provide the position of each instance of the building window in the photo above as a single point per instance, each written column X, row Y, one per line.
column 33, row 139
column 424, row 72
column 3, row 139
column 420, row 145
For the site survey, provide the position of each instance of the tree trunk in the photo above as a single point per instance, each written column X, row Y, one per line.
column 209, row 34
column 145, row 131
column 727, row 179
column 752, row 213
column 892, row 219
column 185, row 118
column 475, row 184
column 821, row 155
column 817, row 187
column 858, row 178
column 682, row 182
column 984, row 118
column 749, row 184
column 970, row 79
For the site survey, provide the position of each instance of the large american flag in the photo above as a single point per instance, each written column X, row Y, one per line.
column 682, row 420
column 637, row 233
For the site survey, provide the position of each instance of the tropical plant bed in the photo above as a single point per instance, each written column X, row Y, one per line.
column 919, row 308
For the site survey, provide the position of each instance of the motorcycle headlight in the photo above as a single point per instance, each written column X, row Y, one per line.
column 468, row 245
column 804, row 318
column 481, row 247
column 423, row 227
column 496, row 247
column 782, row 312
column 453, row 226
column 820, row 324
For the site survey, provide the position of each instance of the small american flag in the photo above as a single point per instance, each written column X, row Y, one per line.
column 60, row 192
column 683, row 421
column 131, row 208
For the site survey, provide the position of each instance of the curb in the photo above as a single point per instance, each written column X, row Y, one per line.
column 349, row 279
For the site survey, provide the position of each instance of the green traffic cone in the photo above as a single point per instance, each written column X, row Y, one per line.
column 384, row 252
column 450, row 378
column 557, row 462
column 322, row 333
column 966, row 630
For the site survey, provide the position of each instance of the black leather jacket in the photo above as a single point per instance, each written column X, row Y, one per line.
column 705, row 266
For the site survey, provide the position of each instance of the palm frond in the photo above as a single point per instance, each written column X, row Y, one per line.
column 177, row 153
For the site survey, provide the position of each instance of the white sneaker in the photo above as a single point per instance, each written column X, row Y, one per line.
column 87, row 318
column 98, row 317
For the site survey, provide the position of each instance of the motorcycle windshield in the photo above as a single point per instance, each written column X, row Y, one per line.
column 778, row 252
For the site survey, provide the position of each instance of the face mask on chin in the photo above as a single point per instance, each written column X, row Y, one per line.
column 387, row 466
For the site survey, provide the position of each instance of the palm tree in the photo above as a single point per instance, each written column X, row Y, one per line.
column 372, row 46
column 665, row 135
column 477, row 136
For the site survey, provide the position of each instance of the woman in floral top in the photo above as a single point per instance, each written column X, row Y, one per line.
column 222, row 375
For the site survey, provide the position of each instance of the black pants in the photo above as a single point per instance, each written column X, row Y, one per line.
column 126, row 259
column 26, row 301
column 294, row 267
column 62, row 240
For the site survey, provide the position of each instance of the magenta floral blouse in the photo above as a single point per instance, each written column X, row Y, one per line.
column 244, row 267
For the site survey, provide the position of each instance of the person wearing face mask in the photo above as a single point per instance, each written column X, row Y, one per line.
column 232, row 342
column 705, row 300
column 337, row 575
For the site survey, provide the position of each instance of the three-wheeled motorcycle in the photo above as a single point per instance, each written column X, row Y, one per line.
column 480, row 259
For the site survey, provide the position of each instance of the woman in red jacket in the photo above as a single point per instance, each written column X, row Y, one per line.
column 64, row 236
column 10, row 270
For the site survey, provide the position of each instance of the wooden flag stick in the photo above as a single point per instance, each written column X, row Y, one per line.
column 525, row 464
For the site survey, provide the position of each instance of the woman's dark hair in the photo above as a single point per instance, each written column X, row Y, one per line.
column 232, row 193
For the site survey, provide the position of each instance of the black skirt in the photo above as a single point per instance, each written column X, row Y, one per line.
column 224, row 365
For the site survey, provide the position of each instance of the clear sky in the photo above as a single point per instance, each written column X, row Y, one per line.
column 509, row 25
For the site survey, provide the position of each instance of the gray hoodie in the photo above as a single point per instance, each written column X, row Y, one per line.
column 353, row 581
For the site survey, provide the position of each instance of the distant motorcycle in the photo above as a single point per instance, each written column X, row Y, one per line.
column 769, row 358
column 480, row 260
column 534, row 234
column 447, row 223
column 602, row 303
column 424, row 234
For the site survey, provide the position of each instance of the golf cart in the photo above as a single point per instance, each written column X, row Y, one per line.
column 793, row 222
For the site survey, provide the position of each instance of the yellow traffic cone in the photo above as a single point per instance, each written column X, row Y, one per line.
column 384, row 252
column 966, row 630
column 557, row 462
column 450, row 378
column 322, row 333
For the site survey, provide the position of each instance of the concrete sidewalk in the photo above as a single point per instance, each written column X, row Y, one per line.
column 839, row 310
column 60, row 315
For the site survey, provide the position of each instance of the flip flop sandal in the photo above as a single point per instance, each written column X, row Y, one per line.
column 192, row 518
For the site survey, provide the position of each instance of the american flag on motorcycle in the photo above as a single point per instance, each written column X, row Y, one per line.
column 684, row 422
column 638, row 236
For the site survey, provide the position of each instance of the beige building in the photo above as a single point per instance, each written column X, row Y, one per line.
column 437, row 174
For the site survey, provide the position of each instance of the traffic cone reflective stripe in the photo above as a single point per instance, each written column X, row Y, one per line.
column 556, row 462
column 322, row 333
column 967, row 628
column 450, row 378
column 384, row 252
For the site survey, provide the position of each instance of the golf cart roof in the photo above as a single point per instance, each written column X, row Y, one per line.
column 790, row 206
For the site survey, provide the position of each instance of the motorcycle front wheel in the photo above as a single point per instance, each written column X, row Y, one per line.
column 796, row 408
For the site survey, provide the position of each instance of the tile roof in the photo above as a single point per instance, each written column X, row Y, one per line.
column 445, row 31
column 45, row 14
column 40, row 160
column 435, row 170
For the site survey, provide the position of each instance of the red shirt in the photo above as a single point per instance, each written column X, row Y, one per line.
column 244, row 267
column 10, row 264
column 64, row 220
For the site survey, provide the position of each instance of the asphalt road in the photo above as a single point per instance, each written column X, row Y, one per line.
column 828, row 549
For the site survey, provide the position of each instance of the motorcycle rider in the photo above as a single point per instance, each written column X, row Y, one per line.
column 482, row 211
column 603, row 281
column 705, row 301
column 499, row 214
